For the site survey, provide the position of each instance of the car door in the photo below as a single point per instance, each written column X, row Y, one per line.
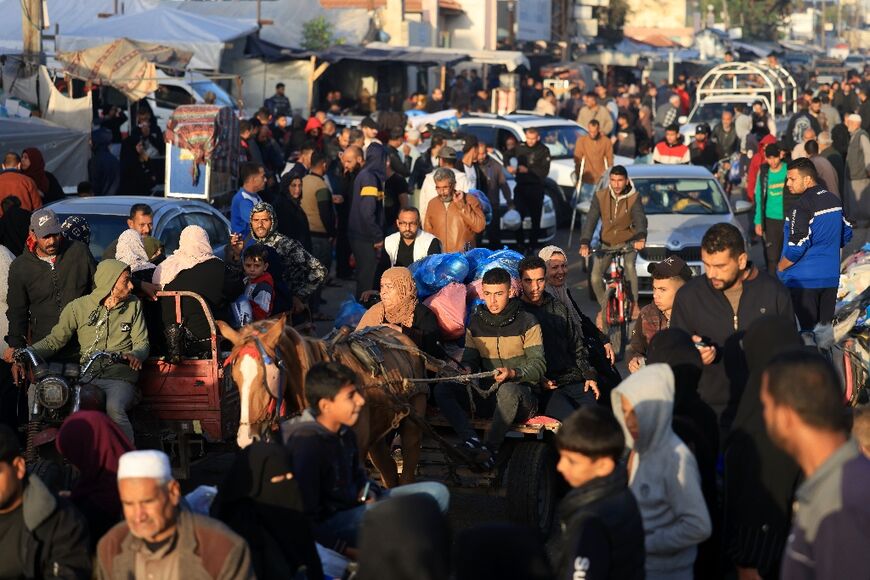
column 483, row 132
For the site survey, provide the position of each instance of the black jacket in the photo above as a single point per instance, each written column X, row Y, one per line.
column 38, row 292
column 494, row 182
column 701, row 310
column 422, row 167
column 56, row 543
column 602, row 531
column 706, row 157
column 564, row 347
column 537, row 160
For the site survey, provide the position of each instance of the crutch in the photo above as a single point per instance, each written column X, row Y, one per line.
column 575, row 199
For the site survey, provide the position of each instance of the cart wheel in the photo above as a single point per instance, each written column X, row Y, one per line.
column 230, row 407
column 531, row 489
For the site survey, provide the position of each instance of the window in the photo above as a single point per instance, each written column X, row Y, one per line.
column 170, row 233
column 105, row 230
column 561, row 139
column 172, row 97
column 485, row 133
column 217, row 231
column 680, row 196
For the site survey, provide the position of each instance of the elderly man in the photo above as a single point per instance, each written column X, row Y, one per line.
column 857, row 170
column 158, row 539
column 454, row 217
column 446, row 158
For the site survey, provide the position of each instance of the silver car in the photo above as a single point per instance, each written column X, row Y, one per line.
column 681, row 203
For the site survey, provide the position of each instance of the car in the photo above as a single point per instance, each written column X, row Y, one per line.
column 107, row 217
column 559, row 135
column 855, row 62
column 681, row 203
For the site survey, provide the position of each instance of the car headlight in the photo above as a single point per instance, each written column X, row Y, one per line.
column 548, row 204
column 52, row 392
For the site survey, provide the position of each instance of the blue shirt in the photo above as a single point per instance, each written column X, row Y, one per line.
column 240, row 211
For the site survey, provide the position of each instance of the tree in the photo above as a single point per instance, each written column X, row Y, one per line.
column 611, row 20
column 317, row 34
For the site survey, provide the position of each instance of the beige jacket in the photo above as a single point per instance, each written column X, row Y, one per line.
column 456, row 224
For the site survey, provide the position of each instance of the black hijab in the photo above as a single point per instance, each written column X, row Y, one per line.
column 269, row 515
column 500, row 552
column 405, row 538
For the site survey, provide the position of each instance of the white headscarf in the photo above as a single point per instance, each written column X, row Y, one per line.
column 131, row 251
column 193, row 248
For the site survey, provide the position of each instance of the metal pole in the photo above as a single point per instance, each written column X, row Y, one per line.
column 31, row 34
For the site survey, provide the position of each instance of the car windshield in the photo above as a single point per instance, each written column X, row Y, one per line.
column 710, row 113
column 680, row 196
column 105, row 229
column 560, row 140
column 202, row 87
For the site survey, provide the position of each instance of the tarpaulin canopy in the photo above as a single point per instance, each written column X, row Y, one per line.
column 270, row 52
column 66, row 151
column 511, row 59
column 125, row 64
column 204, row 36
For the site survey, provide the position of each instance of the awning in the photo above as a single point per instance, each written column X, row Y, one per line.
column 421, row 56
column 512, row 59
column 270, row 52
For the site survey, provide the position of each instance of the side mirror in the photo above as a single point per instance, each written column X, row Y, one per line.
column 583, row 206
column 682, row 119
column 742, row 206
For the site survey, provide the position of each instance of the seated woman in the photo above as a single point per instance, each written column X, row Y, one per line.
column 194, row 268
column 400, row 309
column 131, row 250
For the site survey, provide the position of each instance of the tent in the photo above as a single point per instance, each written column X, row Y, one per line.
column 205, row 36
column 66, row 151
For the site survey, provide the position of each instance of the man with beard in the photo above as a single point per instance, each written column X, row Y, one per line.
column 533, row 167
column 717, row 308
column 366, row 223
column 410, row 243
column 350, row 164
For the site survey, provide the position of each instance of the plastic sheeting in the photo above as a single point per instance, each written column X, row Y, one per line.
column 56, row 107
column 66, row 151
column 349, row 313
column 433, row 273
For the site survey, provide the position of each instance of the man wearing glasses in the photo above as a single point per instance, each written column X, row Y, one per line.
column 410, row 243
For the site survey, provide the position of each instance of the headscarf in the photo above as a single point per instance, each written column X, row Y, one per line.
column 402, row 311
column 131, row 251
column 75, row 227
column 267, row 207
column 94, row 443
column 193, row 248
column 560, row 293
column 36, row 171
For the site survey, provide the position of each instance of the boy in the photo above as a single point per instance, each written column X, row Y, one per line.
column 668, row 276
column 769, row 209
column 335, row 488
column 600, row 521
column 259, row 285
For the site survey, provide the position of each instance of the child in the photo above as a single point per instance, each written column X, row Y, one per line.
column 256, row 303
column 335, row 488
column 600, row 521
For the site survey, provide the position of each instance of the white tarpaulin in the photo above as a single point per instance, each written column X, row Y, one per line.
column 58, row 108
column 66, row 151
column 204, row 36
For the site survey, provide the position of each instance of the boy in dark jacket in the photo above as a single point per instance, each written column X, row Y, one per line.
column 601, row 527
column 336, row 491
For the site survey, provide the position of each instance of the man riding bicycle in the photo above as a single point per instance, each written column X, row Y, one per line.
column 623, row 227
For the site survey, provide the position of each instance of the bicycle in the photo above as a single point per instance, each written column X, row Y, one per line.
column 618, row 301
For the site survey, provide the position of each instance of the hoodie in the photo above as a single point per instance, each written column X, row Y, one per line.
column 367, row 206
column 622, row 217
column 663, row 475
column 755, row 165
column 669, row 154
column 121, row 329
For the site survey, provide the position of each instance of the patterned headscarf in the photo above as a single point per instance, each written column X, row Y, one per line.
column 131, row 251
column 400, row 308
column 261, row 207
column 193, row 248
column 76, row 227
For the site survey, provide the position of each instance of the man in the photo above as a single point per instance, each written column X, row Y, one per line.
column 278, row 104
column 725, row 136
column 142, row 220
column 769, row 211
column 469, row 164
column 815, row 230
column 110, row 318
column 51, row 273
column 142, row 154
column 253, row 178
column 742, row 124
column 43, row 535
column 410, row 243
column 667, row 114
column 804, row 415
column 799, row 150
column 365, row 224
column 410, row 152
column 396, row 193
column 857, row 170
column 798, row 125
column 627, row 140
column 623, row 227
column 436, row 101
column 13, row 182
column 832, row 115
column 571, row 106
column 718, row 307
column 570, row 381
column 427, row 162
column 394, row 143
column 702, row 151
column 828, row 177
column 160, row 539
column 597, row 150
column 502, row 339
column 447, row 159
column 533, row 167
column 320, row 211
column 249, row 150
column 303, row 161
column 351, row 164
column 592, row 110
column 370, row 132
column 827, row 150
column 672, row 150
column 495, row 187
column 762, row 122
column 454, row 217
column 817, row 114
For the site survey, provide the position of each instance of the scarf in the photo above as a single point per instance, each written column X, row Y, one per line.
column 75, row 227
column 36, row 171
column 193, row 248
column 131, row 251
column 399, row 310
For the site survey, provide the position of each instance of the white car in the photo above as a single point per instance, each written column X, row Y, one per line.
column 548, row 216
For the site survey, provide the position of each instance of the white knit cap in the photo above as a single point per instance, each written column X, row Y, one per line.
column 148, row 463
column 546, row 253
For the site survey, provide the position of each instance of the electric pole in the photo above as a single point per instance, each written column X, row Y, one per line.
column 31, row 34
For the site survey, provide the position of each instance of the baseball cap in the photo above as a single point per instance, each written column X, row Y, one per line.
column 702, row 128
column 447, row 153
column 9, row 446
column 368, row 123
column 44, row 223
column 670, row 267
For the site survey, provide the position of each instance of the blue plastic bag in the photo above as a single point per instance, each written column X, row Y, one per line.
column 484, row 204
column 507, row 259
column 349, row 313
column 475, row 258
column 433, row 273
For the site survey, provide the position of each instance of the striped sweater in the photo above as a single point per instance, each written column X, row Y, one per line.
column 510, row 339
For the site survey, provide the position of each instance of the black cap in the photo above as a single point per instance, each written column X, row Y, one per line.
column 397, row 133
column 368, row 123
column 702, row 128
column 9, row 446
column 670, row 267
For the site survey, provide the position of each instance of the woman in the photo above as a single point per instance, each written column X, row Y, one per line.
column 94, row 443
column 131, row 251
column 400, row 310
column 292, row 221
column 194, row 268
column 33, row 166
column 260, row 501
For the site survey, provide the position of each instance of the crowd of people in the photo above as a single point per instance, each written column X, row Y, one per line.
column 728, row 447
